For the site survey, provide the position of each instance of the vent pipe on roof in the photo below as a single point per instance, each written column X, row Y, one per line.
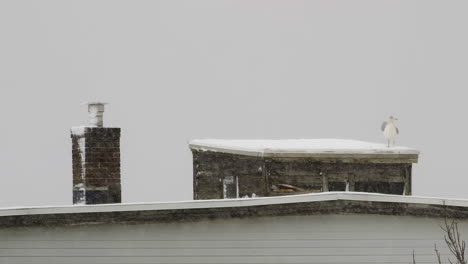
column 96, row 113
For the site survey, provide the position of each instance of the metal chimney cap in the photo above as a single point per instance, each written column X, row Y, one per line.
column 96, row 112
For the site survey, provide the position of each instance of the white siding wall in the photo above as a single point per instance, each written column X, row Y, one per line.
column 294, row 239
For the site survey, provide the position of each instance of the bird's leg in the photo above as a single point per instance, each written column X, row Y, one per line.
column 388, row 143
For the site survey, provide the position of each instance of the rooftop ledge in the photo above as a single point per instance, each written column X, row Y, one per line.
column 313, row 148
column 227, row 203
column 189, row 211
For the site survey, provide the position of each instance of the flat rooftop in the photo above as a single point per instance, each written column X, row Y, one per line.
column 303, row 148
column 306, row 204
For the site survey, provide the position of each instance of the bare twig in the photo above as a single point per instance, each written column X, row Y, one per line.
column 454, row 242
column 437, row 254
column 414, row 259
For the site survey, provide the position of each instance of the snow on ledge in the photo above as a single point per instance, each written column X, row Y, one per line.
column 78, row 131
column 312, row 146
column 239, row 202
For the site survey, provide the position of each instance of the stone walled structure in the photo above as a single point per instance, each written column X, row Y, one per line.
column 236, row 169
column 96, row 162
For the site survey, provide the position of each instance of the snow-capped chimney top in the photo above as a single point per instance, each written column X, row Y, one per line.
column 96, row 112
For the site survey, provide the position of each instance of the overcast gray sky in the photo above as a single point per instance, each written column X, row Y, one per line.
column 178, row 70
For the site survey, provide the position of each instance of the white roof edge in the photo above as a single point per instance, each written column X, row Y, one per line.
column 200, row 204
column 227, row 150
column 262, row 148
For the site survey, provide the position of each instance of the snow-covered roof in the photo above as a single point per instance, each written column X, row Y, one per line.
column 298, row 147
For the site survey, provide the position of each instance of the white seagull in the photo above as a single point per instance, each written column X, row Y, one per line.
column 389, row 130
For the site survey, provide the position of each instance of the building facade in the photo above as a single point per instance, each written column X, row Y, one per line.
column 335, row 216
column 253, row 168
column 311, row 228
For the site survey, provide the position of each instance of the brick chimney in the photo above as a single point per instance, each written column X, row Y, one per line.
column 96, row 160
